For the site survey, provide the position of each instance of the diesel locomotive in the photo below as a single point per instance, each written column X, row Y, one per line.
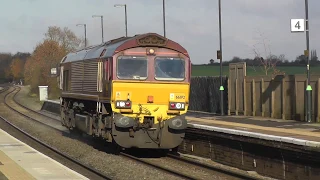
column 132, row 91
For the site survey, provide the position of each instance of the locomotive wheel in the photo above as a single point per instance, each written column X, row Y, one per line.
column 75, row 131
column 64, row 117
column 116, row 148
column 175, row 150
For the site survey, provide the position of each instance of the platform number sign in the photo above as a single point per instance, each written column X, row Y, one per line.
column 297, row 25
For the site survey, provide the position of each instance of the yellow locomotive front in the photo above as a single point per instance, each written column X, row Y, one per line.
column 150, row 97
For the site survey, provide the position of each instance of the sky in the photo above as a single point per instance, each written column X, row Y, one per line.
column 192, row 23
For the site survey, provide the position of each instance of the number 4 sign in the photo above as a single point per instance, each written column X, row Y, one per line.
column 297, row 25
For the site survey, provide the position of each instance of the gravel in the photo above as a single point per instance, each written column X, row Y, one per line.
column 115, row 166
column 192, row 170
column 28, row 101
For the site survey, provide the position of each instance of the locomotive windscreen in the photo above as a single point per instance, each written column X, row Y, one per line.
column 130, row 67
column 169, row 69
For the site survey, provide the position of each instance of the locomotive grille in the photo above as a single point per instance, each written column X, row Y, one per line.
column 76, row 76
column 84, row 76
column 90, row 76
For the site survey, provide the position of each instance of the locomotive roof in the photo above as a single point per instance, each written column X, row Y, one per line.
column 113, row 46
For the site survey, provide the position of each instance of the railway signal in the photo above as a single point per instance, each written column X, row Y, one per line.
column 219, row 54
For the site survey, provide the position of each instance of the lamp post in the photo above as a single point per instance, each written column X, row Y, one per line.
column 125, row 15
column 221, row 82
column 101, row 24
column 85, row 33
column 309, row 89
column 164, row 17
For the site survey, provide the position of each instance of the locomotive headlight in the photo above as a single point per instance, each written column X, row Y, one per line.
column 178, row 123
column 150, row 51
column 177, row 106
column 123, row 104
column 123, row 121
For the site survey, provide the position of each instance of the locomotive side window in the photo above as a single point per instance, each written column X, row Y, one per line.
column 106, row 69
column 168, row 68
column 65, row 80
column 131, row 67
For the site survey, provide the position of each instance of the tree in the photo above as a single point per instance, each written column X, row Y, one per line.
column 47, row 54
column 21, row 55
column 5, row 60
column 37, row 68
column 267, row 60
column 302, row 59
column 65, row 37
column 82, row 44
column 314, row 56
column 236, row 59
column 16, row 68
column 8, row 74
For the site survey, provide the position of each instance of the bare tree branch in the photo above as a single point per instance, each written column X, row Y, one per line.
column 267, row 61
column 65, row 37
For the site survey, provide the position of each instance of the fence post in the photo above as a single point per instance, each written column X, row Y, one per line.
column 318, row 101
column 263, row 106
column 244, row 97
column 253, row 97
column 272, row 98
column 295, row 98
column 283, row 98
column 229, row 97
column 237, row 98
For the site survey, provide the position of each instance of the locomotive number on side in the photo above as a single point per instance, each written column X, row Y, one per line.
column 180, row 97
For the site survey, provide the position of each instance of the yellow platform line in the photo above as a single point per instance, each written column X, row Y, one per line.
column 12, row 170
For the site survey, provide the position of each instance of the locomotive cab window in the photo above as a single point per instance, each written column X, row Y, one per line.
column 169, row 68
column 132, row 67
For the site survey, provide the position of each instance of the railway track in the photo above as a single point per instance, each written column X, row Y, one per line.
column 3, row 89
column 48, row 121
column 86, row 170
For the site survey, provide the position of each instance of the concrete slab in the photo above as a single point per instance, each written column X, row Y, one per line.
column 21, row 161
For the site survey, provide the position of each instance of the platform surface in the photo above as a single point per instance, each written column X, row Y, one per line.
column 301, row 133
column 18, row 161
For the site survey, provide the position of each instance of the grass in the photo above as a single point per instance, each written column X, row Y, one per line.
column 203, row 70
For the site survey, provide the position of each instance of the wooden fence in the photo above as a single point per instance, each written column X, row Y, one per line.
column 281, row 97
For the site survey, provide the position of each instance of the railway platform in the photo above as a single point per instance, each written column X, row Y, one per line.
column 19, row 161
column 288, row 131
